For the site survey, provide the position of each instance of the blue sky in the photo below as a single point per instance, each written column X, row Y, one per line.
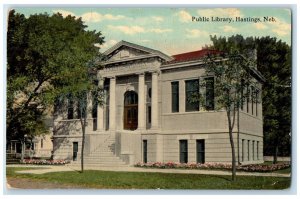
column 172, row 30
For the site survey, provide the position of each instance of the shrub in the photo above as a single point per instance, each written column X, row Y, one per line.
column 44, row 162
column 209, row 165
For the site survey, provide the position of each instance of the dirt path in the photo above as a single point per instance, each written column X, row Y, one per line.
column 21, row 183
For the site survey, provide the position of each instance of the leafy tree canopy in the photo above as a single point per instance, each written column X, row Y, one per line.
column 274, row 62
column 46, row 57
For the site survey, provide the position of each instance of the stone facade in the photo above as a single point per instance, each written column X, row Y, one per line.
column 137, row 123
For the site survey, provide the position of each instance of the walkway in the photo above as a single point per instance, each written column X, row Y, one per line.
column 47, row 169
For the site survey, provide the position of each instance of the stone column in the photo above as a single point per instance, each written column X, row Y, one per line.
column 154, row 101
column 89, row 112
column 100, row 112
column 89, row 105
column 141, row 103
column 112, row 103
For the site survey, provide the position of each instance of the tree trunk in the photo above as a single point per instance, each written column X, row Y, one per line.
column 83, row 124
column 22, row 150
column 233, row 162
column 238, row 134
column 275, row 153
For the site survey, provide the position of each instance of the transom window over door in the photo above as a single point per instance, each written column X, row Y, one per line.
column 130, row 110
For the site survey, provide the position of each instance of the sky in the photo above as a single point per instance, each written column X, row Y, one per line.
column 172, row 30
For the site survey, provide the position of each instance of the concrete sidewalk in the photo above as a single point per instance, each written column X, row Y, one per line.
column 48, row 168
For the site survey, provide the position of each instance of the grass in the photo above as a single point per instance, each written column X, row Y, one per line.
column 134, row 180
column 283, row 171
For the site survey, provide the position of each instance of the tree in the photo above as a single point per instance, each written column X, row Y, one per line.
column 87, row 90
column 229, row 71
column 274, row 62
column 46, row 55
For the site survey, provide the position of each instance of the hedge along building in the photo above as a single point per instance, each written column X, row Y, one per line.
column 147, row 116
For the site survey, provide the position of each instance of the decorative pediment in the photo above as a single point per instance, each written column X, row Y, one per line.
column 124, row 51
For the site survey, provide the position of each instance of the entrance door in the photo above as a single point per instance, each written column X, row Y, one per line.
column 130, row 110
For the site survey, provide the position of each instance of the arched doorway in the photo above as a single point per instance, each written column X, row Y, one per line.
column 130, row 110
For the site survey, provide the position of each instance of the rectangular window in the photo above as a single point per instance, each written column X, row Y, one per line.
column 257, row 150
column 200, row 151
column 94, row 111
column 42, row 143
column 253, row 152
column 242, row 94
column 183, row 151
column 247, row 98
column 57, row 106
column 210, row 94
column 75, row 150
column 82, row 106
column 256, row 102
column 149, row 114
column 243, row 150
column 175, row 97
column 252, row 99
column 70, row 107
column 248, row 150
column 145, row 151
column 191, row 93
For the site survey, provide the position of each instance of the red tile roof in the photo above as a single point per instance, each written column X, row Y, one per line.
column 194, row 55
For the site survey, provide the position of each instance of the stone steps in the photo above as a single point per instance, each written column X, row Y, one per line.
column 103, row 155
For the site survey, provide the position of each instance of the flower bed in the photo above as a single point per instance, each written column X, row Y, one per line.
column 45, row 162
column 221, row 166
column 264, row 168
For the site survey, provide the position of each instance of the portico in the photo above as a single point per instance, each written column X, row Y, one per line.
column 130, row 114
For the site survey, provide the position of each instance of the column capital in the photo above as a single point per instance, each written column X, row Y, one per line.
column 153, row 72
column 111, row 77
column 140, row 74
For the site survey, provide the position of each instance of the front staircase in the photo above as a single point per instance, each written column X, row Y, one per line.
column 103, row 155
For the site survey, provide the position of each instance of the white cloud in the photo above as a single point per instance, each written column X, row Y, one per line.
column 193, row 33
column 220, row 12
column 229, row 29
column 64, row 13
column 184, row 16
column 157, row 18
column 145, row 41
column 281, row 28
column 158, row 30
column 112, row 17
column 107, row 44
column 91, row 17
column 260, row 26
column 130, row 30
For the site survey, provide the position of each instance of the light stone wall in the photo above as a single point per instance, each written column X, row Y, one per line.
column 45, row 149
column 128, row 146
column 63, row 147
column 253, row 156
column 163, row 143
column 165, row 148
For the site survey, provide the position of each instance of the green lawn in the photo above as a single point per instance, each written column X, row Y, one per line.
column 132, row 180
